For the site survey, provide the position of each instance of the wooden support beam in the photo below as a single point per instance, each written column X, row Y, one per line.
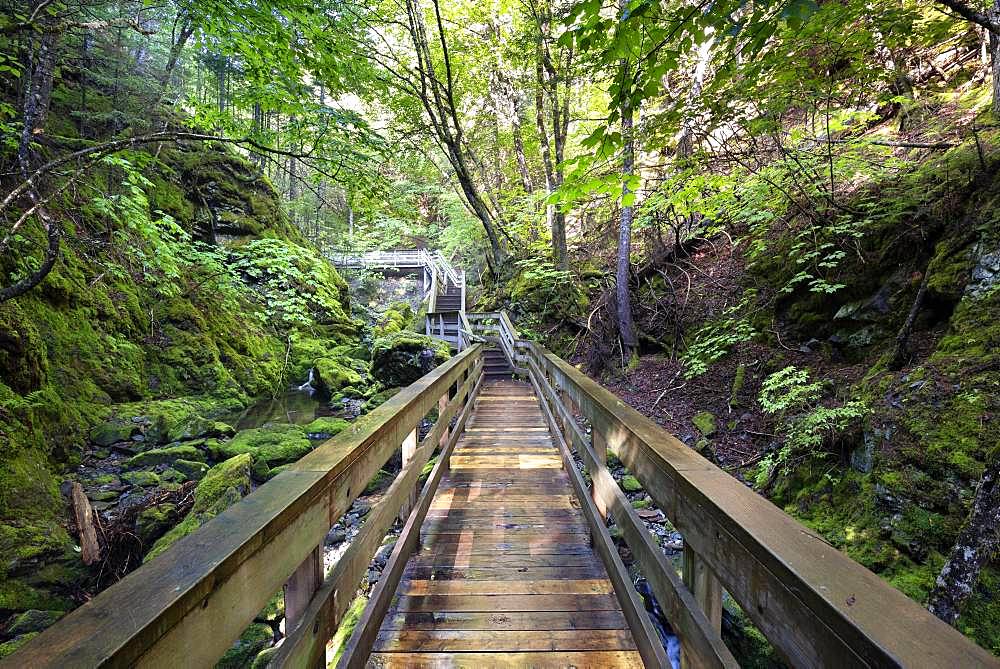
column 300, row 588
column 409, row 446
column 599, row 451
column 707, row 591
column 704, row 585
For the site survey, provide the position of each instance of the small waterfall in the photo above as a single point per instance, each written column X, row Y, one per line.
column 308, row 385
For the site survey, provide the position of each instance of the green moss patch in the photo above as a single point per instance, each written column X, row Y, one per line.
column 273, row 445
column 224, row 485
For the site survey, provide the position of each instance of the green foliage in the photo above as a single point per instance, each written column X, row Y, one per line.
column 298, row 287
column 714, row 340
column 805, row 424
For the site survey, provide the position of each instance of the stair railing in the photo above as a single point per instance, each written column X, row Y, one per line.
column 496, row 326
column 192, row 602
column 816, row 606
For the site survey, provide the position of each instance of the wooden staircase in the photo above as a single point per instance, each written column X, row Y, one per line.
column 497, row 365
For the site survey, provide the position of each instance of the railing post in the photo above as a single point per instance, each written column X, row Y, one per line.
column 442, row 405
column 301, row 586
column 600, row 447
column 409, row 446
column 707, row 591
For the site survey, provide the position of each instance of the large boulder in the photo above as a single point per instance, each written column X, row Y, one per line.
column 401, row 358
column 224, row 485
column 272, row 445
column 333, row 374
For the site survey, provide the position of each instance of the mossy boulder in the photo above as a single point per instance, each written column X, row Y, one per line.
column 224, row 485
column 705, row 423
column 326, row 427
column 254, row 639
column 167, row 421
column 631, row 484
column 401, row 358
column 272, row 445
column 153, row 522
column 161, row 456
column 8, row 647
column 142, row 479
column 33, row 620
column 333, row 374
column 113, row 432
column 191, row 469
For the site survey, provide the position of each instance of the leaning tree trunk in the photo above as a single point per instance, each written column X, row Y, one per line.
column 40, row 71
column 977, row 544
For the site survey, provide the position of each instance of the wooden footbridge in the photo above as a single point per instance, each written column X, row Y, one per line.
column 505, row 557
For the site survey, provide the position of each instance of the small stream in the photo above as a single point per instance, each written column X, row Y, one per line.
column 298, row 406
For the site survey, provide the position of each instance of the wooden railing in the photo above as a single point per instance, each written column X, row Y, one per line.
column 815, row 605
column 187, row 606
column 434, row 261
column 497, row 327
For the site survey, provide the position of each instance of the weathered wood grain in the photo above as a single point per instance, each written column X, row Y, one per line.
column 802, row 593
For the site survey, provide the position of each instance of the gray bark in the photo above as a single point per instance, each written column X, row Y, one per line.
column 978, row 543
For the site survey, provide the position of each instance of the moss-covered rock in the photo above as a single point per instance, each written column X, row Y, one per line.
column 191, row 469
column 142, row 479
column 400, row 359
column 631, row 484
column 8, row 647
column 160, row 456
column 346, row 628
column 224, row 485
column 153, row 522
column 254, row 639
column 272, row 445
column 33, row 620
column 167, row 421
column 333, row 374
column 705, row 423
column 326, row 427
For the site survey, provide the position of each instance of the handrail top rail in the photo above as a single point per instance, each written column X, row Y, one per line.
column 851, row 600
column 128, row 619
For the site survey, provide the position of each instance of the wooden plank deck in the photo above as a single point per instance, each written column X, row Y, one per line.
column 505, row 575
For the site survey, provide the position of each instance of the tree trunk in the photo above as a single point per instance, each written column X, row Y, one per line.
column 626, row 326
column 685, row 140
column 435, row 91
column 522, row 161
column 994, row 14
column 543, row 134
column 977, row 544
column 176, row 47
column 37, row 94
